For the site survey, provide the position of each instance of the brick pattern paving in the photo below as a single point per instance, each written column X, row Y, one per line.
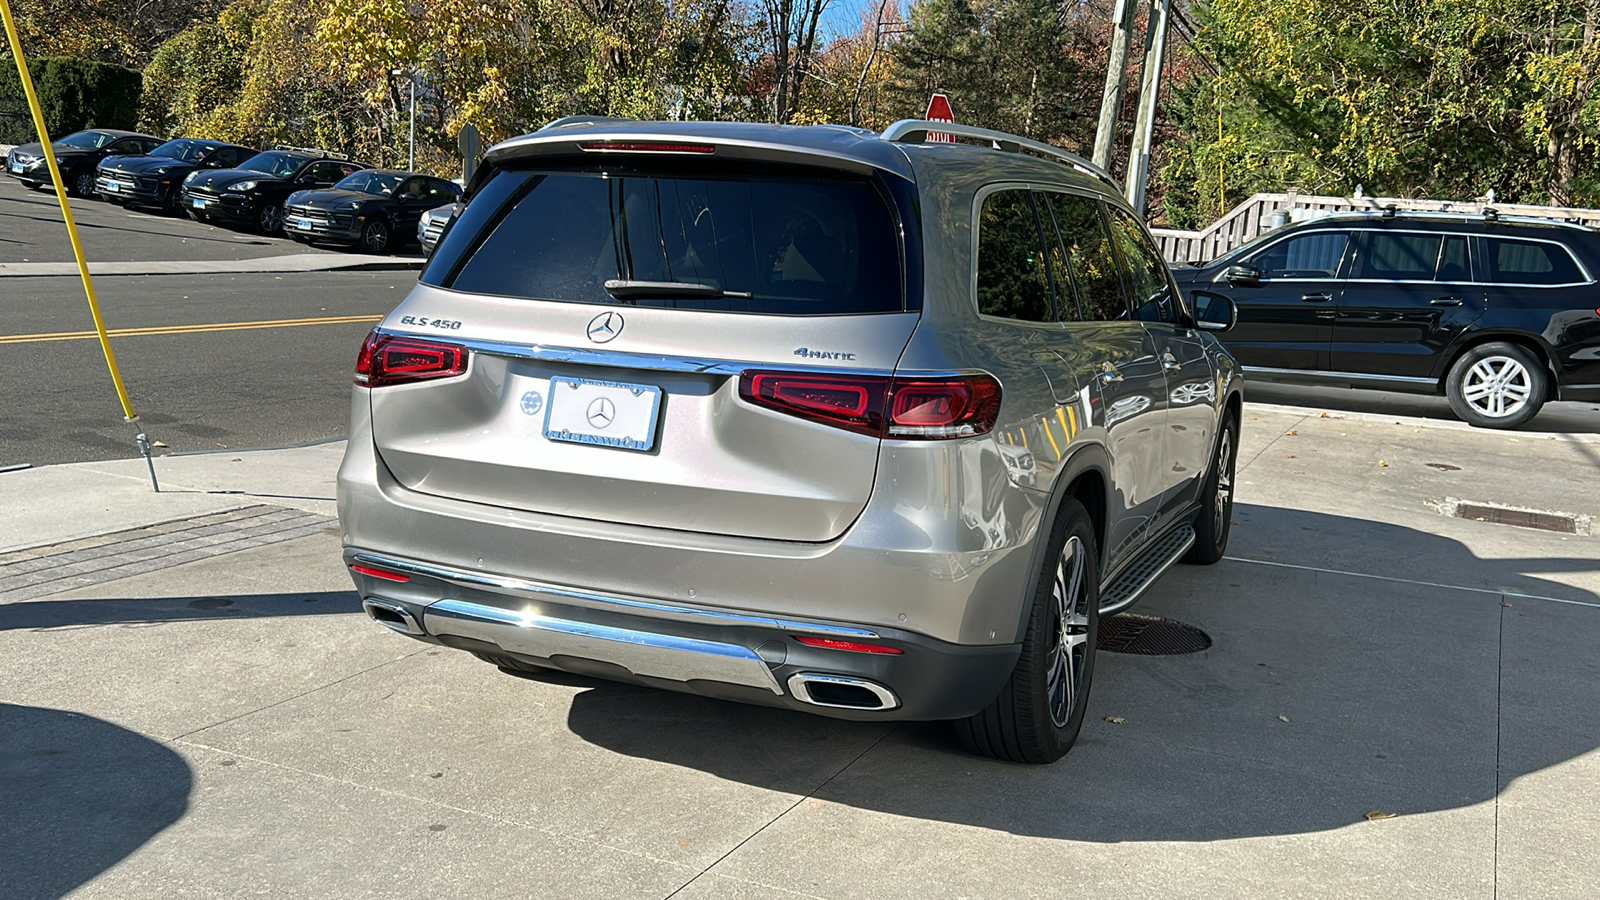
column 39, row 571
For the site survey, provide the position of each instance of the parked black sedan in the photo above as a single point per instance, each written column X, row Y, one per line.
column 253, row 193
column 77, row 154
column 369, row 210
column 156, row 179
column 1498, row 313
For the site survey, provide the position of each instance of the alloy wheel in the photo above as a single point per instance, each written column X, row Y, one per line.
column 1069, row 648
column 375, row 239
column 1222, row 504
column 83, row 185
column 1497, row 386
column 270, row 219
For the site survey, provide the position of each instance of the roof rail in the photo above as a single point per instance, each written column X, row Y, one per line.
column 315, row 151
column 564, row 121
column 915, row 131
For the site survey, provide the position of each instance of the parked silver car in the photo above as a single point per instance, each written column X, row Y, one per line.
column 855, row 424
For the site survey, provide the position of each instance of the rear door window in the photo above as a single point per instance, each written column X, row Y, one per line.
column 1013, row 273
column 1512, row 261
column 1087, row 243
column 1314, row 256
column 1400, row 256
column 1147, row 273
column 759, row 243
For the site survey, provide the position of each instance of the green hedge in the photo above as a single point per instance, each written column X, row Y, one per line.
column 74, row 93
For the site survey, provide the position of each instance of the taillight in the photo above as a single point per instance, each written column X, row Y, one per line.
column 852, row 646
column 902, row 408
column 387, row 359
column 643, row 147
column 385, row 574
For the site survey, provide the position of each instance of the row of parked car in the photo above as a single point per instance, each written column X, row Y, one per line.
column 311, row 195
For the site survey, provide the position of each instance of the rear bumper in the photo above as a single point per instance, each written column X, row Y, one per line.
column 728, row 654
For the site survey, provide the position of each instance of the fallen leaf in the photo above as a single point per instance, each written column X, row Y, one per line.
column 1289, row 456
column 1323, row 415
column 1116, row 720
column 1283, row 718
column 1377, row 814
column 158, row 443
column 1296, row 431
column 1297, row 472
column 1383, row 464
column 1507, row 605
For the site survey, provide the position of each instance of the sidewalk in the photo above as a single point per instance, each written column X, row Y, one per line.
column 195, row 706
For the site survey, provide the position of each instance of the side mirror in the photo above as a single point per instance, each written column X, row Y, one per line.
column 1247, row 276
column 1213, row 312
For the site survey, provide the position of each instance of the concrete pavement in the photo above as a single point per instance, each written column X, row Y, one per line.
column 224, row 721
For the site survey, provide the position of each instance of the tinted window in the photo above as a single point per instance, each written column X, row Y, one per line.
column 330, row 172
column 1453, row 260
column 86, row 140
column 275, row 163
column 1088, row 247
column 1060, row 269
column 1147, row 274
column 770, row 243
column 1401, row 256
column 1313, row 255
column 380, row 183
column 1530, row 262
column 1013, row 278
column 440, row 191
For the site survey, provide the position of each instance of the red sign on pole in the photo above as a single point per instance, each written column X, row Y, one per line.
column 939, row 111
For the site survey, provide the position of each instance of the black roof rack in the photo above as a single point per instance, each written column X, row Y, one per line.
column 915, row 131
column 314, row 151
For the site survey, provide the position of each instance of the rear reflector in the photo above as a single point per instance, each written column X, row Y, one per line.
column 644, row 147
column 380, row 573
column 388, row 359
column 918, row 408
column 852, row 646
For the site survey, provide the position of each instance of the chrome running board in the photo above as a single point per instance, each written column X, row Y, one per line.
column 1144, row 571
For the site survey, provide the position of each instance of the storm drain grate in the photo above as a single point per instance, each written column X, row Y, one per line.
column 1517, row 517
column 1150, row 636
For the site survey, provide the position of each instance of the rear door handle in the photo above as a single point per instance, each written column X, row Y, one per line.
column 1446, row 301
column 1316, row 298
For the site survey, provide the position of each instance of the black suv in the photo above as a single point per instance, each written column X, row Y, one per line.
column 1497, row 313
column 77, row 154
column 156, row 179
column 371, row 209
column 253, row 194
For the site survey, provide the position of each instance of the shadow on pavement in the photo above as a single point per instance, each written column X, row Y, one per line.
column 122, row 611
column 1556, row 417
column 77, row 795
column 1323, row 698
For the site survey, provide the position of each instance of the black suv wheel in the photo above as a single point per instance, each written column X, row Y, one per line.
column 1497, row 385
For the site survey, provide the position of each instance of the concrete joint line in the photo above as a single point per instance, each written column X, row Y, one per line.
column 1499, row 592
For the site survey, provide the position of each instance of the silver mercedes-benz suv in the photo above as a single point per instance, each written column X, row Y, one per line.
column 870, row 426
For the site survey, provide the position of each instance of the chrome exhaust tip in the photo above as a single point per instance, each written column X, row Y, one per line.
column 392, row 615
column 841, row 692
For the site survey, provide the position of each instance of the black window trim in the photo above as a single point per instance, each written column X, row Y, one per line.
column 1480, row 252
column 1126, row 269
column 981, row 196
column 1347, row 263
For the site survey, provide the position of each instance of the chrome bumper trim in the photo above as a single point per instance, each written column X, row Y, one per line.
column 640, row 652
column 533, row 590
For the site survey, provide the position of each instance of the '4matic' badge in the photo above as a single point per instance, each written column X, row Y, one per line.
column 808, row 353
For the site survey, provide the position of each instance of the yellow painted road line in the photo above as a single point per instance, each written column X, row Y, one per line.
column 181, row 329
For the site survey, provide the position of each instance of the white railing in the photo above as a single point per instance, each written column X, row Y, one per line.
column 1263, row 212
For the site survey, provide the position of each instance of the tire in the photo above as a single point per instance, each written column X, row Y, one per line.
column 32, row 185
column 81, row 185
column 1214, row 521
column 172, row 202
column 1039, row 713
column 375, row 237
column 1497, row 385
column 269, row 219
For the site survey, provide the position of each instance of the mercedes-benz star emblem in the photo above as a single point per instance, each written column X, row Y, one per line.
column 602, row 412
column 604, row 327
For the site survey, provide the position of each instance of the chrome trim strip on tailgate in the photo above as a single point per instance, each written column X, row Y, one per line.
column 533, row 590
column 640, row 652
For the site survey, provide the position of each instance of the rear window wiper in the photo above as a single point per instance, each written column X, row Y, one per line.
column 625, row 289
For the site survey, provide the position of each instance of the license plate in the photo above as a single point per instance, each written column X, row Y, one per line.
column 198, row 203
column 602, row 413
column 113, row 187
column 16, row 167
column 304, row 223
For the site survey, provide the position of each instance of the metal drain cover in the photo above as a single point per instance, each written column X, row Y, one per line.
column 1521, row 518
column 1150, row 636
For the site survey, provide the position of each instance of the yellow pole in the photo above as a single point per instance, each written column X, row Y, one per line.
column 66, row 210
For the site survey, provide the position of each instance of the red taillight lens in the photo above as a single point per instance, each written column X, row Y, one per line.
column 387, row 359
column 644, row 147
column 380, row 573
column 852, row 402
column 918, row 408
column 852, row 646
column 944, row 408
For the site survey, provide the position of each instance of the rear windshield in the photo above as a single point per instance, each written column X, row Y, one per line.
column 760, row 243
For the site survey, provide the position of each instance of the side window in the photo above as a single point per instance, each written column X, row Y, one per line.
column 1013, row 277
column 413, row 189
column 1313, row 256
column 1453, row 260
column 346, row 169
column 1530, row 262
column 326, row 171
column 1147, row 274
column 441, row 192
column 1400, row 256
column 1088, row 249
column 1060, row 270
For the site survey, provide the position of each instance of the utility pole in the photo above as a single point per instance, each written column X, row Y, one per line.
column 1155, row 45
column 1105, row 134
column 411, row 149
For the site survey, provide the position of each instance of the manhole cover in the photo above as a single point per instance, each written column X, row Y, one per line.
column 1518, row 517
column 1150, row 636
